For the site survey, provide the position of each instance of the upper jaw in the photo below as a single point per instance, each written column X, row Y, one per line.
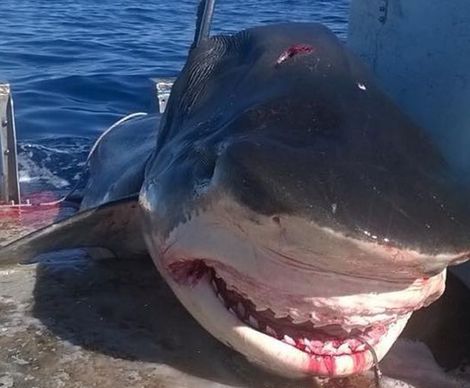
column 275, row 262
column 218, row 226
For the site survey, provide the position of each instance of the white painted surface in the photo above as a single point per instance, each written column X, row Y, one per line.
column 420, row 51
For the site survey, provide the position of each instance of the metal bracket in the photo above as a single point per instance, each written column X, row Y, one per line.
column 9, row 182
column 163, row 86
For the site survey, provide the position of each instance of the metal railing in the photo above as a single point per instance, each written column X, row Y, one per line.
column 163, row 86
column 9, row 182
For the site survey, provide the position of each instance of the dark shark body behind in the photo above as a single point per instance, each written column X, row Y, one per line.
column 310, row 135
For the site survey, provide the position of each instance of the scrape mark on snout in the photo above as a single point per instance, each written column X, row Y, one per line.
column 292, row 51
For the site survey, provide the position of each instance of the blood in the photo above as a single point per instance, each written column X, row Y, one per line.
column 322, row 365
column 40, row 210
column 360, row 362
column 188, row 272
column 43, row 198
column 326, row 365
column 293, row 51
column 330, row 365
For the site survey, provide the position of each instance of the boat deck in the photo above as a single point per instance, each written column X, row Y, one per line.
column 69, row 321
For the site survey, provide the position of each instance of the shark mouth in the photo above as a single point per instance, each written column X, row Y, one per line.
column 291, row 296
column 277, row 343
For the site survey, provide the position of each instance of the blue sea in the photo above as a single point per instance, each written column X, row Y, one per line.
column 76, row 67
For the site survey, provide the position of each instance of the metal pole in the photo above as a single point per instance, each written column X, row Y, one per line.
column 9, row 182
column 204, row 20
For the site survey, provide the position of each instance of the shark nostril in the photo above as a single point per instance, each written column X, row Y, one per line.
column 276, row 220
column 204, row 172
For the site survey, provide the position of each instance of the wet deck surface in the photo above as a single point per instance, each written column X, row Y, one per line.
column 106, row 324
column 73, row 322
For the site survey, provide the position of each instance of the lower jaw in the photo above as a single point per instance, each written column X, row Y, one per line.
column 268, row 352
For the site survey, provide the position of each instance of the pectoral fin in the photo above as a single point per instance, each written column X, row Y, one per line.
column 113, row 226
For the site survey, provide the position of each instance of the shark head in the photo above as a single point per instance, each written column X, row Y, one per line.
column 296, row 213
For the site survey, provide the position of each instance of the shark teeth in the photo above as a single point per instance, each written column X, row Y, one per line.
column 344, row 349
column 279, row 315
column 361, row 348
column 241, row 309
column 253, row 322
column 269, row 330
column 288, row 340
column 299, row 320
column 295, row 331
column 329, row 348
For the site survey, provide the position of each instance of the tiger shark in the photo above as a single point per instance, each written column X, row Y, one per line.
column 297, row 214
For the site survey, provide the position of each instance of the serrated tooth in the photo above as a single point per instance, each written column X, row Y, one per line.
column 253, row 322
column 313, row 317
column 300, row 344
column 361, row 348
column 328, row 347
column 214, row 284
column 271, row 331
column 316, row 345
column 221, row 298
column 344, row 349
column 241, row 309
column 299, row 320
column 232, row 311
column 288, row 340
column 260, row 308
column 279, row 315
column 354, row 343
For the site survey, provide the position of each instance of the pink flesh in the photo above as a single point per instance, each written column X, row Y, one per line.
column 43, row 209
column 188, row 272
column 305, row 336
column 293, row 51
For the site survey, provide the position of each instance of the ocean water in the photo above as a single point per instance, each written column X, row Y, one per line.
column 76, row 67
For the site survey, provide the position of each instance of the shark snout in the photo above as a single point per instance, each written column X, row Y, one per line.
column 331, row 221
column 271, row 178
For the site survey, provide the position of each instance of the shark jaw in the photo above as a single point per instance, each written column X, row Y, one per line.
column 267, row 343
column 271, row 294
